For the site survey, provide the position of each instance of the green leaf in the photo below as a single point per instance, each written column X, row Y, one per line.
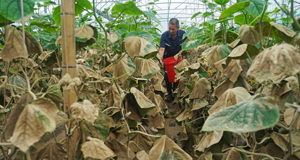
column 191, row 44
column 56, row 15
column 240, row 19
column 132, row 33
column 212, row 21
column 256, row 7
column 206, row 14
column 103, row 124
column 252, row 114
column 146, row 35
column 233, row 9
column 81, row 5
column 17, row 81
column 221, row 2
column 128, row 8
column 152, row 16
column 54, row 93
column 211, row 5
column 196, row 14
column 121, row 32
column 11, row 9
column 190, row 32
column 225, row 51
column 2, row 21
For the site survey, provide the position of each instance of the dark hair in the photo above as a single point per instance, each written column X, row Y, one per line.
column 174, row 21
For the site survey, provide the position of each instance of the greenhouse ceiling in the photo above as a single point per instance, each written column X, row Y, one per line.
column 180, row 9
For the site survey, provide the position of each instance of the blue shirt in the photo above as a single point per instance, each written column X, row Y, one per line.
column 172, row 46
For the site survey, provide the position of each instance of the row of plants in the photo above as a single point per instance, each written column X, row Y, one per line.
column 237, row 98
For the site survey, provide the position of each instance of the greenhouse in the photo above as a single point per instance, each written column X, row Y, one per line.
column 150, row 79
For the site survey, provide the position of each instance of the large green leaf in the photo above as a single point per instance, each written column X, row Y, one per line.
column 151, row 15
column 256, row 7
column 196, row 14
column 242, row 19
column 2, row 21
column 191, row 44
column 190, row 32
column 221, row 2
column 56, row 15
column 225, row 51
column 250, row 115
column 81, row 5
column 128, row 8
column 233, row 9
column 206, row 14
column 11, row 9
column 54, row 93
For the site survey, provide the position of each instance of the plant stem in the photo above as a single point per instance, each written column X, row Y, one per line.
column 256, row 154
column 146, row 134
column 94, row 13
column 260, row 26
column 254, row 148
column 28, row 84
column 28, row 155
column 6, row 144
column 109, row 108
column 293, row 17
column 291, row 14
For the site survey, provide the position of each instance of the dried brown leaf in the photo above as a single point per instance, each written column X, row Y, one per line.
column 233, row 70
column 182, row 64
column 233, row 154
column 13, row 118
column 113, row 96
column 84, row 71
column 206, row 156
column 158, row 121
column 119, row 148
column 144, row 142
column 35, row 120
column 234, row 43
column 13, row 47
column 280, row 141
column 230, row 97
column 146, row 68
column 187, row 113
column 85, row 110
column 136, row 46
column 45, row 55
column 112, row 37
column 141, row 99
column 124, row 69
column 53, row 151
column 289, row 116
column 142, row 155
column 198, row 104
column 201, row 88
column 32, row 45
column 221, row 88
column 283, row 29
column 248, row 35
column 275, row 63
column 157, row 80
column 165, row 147
column 209, row 139
column 95, row 148
column 212, row 55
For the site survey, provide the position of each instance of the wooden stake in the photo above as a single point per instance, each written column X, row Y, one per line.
column 68, row 48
